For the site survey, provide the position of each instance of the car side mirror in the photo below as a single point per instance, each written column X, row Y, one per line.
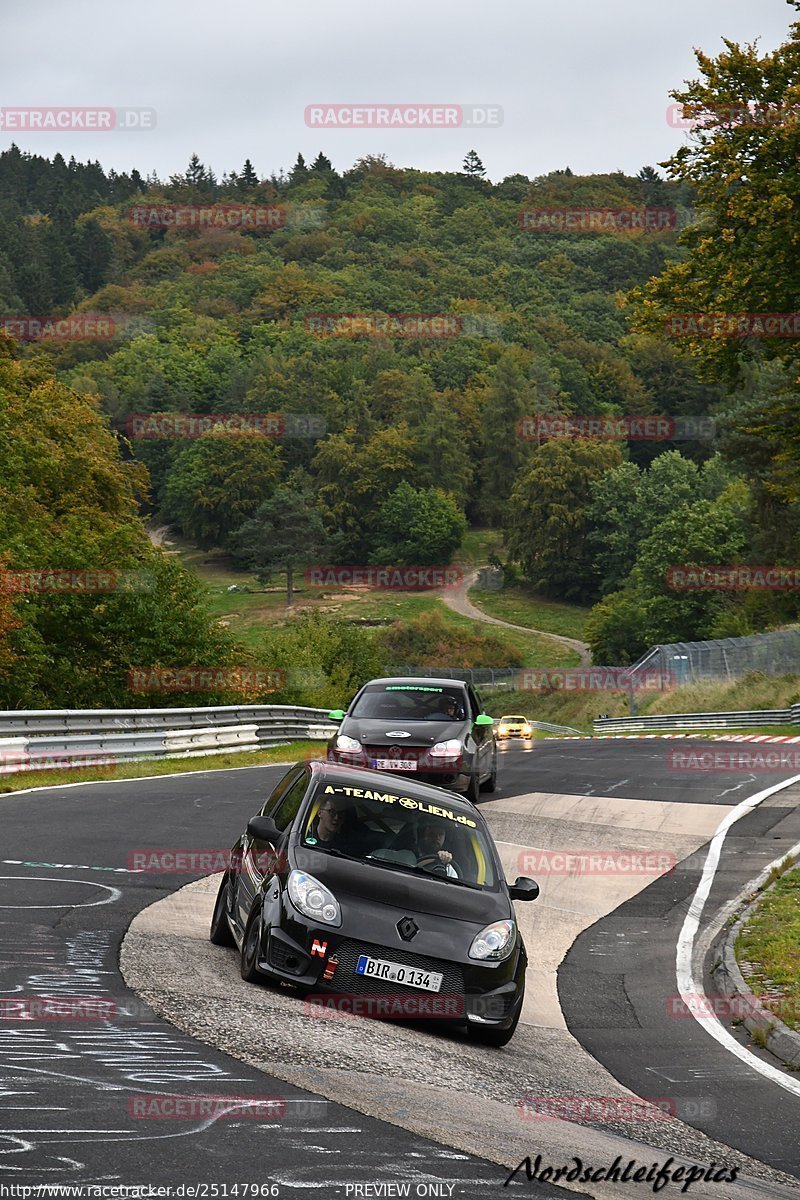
column 483, row 719
column 262, row 829
column 337, row 714
column 524, row 889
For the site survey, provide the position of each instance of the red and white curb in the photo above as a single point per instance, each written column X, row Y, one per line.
column 717, row 737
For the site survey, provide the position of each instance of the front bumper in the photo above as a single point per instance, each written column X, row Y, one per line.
column 470, row 992
column 452, row 774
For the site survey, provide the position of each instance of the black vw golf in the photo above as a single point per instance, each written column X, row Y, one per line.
column 379, row 896
column 432, row 729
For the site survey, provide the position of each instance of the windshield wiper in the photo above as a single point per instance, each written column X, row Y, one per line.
column 337, row 853
column 394, row 866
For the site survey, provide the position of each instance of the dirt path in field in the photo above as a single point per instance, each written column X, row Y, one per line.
column 458, row 600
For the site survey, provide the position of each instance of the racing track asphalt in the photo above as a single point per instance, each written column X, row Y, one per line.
column 65, row 1091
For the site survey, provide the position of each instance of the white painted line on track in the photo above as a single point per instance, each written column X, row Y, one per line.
column 687, row 986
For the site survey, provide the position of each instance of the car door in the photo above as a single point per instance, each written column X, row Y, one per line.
column 257, row 857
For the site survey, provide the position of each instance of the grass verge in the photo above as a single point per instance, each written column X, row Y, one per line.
column 768, row 948
column 248, row 614
column 162, row 766
column 523, row 607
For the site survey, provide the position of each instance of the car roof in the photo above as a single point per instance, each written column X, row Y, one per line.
column 508, row 717
column 384, row 781
column 418, row 680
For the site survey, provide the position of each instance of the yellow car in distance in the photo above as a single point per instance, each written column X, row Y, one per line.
column 513, row 727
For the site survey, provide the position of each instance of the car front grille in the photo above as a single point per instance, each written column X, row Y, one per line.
column 348, row 953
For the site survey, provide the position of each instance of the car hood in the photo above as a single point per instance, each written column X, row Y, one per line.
column 421, row 733
column 362, row 884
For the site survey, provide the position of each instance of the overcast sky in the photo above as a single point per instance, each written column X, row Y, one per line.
column 582, row 83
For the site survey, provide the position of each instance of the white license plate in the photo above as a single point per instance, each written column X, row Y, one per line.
column 378, row 968
column 394, row 764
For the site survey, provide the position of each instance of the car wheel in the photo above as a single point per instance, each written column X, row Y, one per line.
column 220, row 931
column 473, row 789
column 250, row 947
column 490, row 784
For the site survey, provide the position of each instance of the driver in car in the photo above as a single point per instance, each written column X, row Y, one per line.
column 432, row 855
column 448, row 709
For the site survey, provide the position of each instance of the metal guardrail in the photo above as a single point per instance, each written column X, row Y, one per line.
column 48, row 739
column 713, row 720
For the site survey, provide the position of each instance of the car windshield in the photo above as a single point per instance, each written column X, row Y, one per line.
column 410, row 702
column 517, row 720
column 401, row 832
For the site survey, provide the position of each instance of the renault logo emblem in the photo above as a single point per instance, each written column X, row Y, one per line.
column 408, row 928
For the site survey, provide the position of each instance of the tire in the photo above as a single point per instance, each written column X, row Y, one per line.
column 490, row 784
column 220, row 931
column 250, row 947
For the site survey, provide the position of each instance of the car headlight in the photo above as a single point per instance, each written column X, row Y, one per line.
column 449, row 749
column 351, row 745
column 313, row 899
column 495, row 942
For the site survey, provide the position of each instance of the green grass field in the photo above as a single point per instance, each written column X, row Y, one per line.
column 523, row 607
column 768, row 948
column 248, row 613
column 163, row 766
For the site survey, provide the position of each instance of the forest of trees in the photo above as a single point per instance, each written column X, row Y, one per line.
column 395, row 443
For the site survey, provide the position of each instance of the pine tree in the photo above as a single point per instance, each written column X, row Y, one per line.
column 248, row 178
column 473, row 166
column 195, row 172
column 93, row 254
column 321, row 163
column 299, row 171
